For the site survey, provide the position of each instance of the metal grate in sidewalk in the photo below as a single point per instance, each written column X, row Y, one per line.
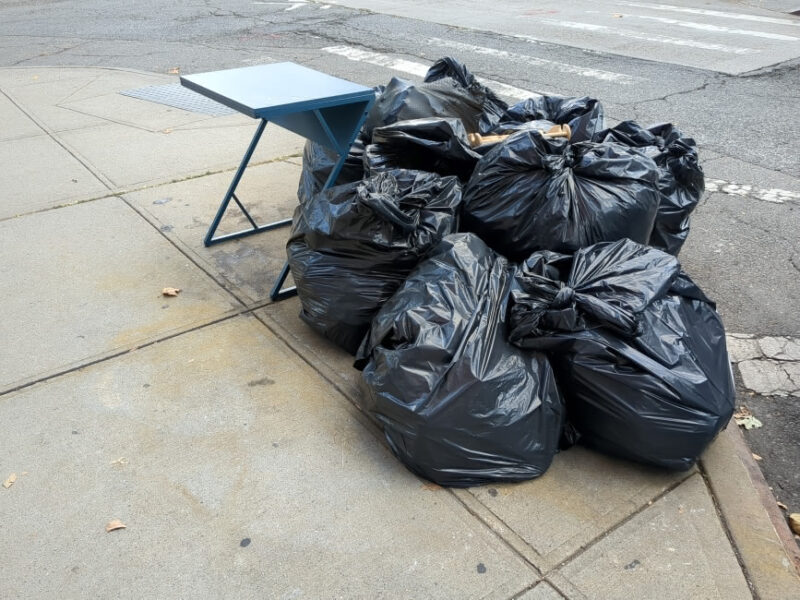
column 177, row 96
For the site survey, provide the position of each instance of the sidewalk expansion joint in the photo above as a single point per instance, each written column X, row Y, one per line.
column 119, row 191
column 108, row 183
column 728, row 534
column 116, row 354
column 619, row 524
column 244, row 311
column 213, row 276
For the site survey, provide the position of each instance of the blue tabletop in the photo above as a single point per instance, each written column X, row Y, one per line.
column 276, row 88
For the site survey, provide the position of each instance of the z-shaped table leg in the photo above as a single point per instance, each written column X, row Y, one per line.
column 276, row 293
column 231, row 194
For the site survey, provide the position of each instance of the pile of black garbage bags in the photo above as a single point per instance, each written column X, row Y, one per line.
column 511, row 293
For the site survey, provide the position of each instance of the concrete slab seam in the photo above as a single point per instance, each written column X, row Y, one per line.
column 78, row 365
column 373, row 427
column 107, row 182
column 104, row 357
column 726, row 529
column 179, row 248
column 134, row 189
column 669, row 489
column 514, row 542
column 275, row 328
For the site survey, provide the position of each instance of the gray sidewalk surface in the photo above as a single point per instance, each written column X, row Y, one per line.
column 223, row 432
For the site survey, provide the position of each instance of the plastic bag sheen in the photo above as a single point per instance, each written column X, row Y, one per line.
column 639, row 351
column 460, row 405
column 353, row 245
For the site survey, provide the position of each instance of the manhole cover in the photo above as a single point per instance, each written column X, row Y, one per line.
column 177, row 96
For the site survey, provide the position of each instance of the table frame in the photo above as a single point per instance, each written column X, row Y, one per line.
column 333, row 122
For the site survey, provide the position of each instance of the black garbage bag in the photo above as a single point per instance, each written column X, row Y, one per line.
column 434, row 144
column 532, row 193
column 318, row 162
column 639, row 351
column 458, row 404
column 449, row 90
column 681, row 181
column 583, row 115
column 352, row 246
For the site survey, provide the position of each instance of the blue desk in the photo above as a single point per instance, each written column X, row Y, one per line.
column 324, row 109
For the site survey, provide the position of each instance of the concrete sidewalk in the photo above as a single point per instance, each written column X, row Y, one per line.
column 223, row 432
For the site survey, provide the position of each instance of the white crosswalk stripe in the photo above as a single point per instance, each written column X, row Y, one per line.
column 559, row 67
column 419, row 69
column 648, row 37
column 713, row 13
column 721, row 36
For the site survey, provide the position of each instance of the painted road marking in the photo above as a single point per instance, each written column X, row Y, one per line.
column 717, row 28
column 419, row 69
column 774, row 195
column 647, row 37
column 539, row 62
column 712, row 13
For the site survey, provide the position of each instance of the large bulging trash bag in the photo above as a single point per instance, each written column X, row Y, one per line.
column 532, row 193
column 639, row 351
column 318, row 162
column 352, row 246
column 449, row 90
column 459, row 405
column 583, row 115
column 434, row 144
column 681, row 181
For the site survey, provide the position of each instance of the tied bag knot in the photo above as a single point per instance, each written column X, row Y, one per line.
column 607, row 285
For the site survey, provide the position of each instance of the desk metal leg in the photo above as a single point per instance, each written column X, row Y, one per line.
column 231, row 195
column 276, row 293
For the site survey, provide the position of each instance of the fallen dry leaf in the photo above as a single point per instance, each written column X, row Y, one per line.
column 174, row 71
column 749, row 422
column 757, row 457
column 781, row 505
column 10, row 481
column 114, row 525
column 120, row 462
column 744, row 418
column 794, row 523
column 170, row 291
column 430, row 486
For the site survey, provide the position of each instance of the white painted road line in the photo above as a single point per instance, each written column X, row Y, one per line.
column 380, row 60
column 646, row 37
column 717, row 28
column 774, row 195
column 713, row 13
column 538, row 62
column 419, row 69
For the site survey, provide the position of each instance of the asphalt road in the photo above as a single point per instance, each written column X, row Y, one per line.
column 724, row 72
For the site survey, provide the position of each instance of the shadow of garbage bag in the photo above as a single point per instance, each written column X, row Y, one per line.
column 459, row 405
column 638, row 350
